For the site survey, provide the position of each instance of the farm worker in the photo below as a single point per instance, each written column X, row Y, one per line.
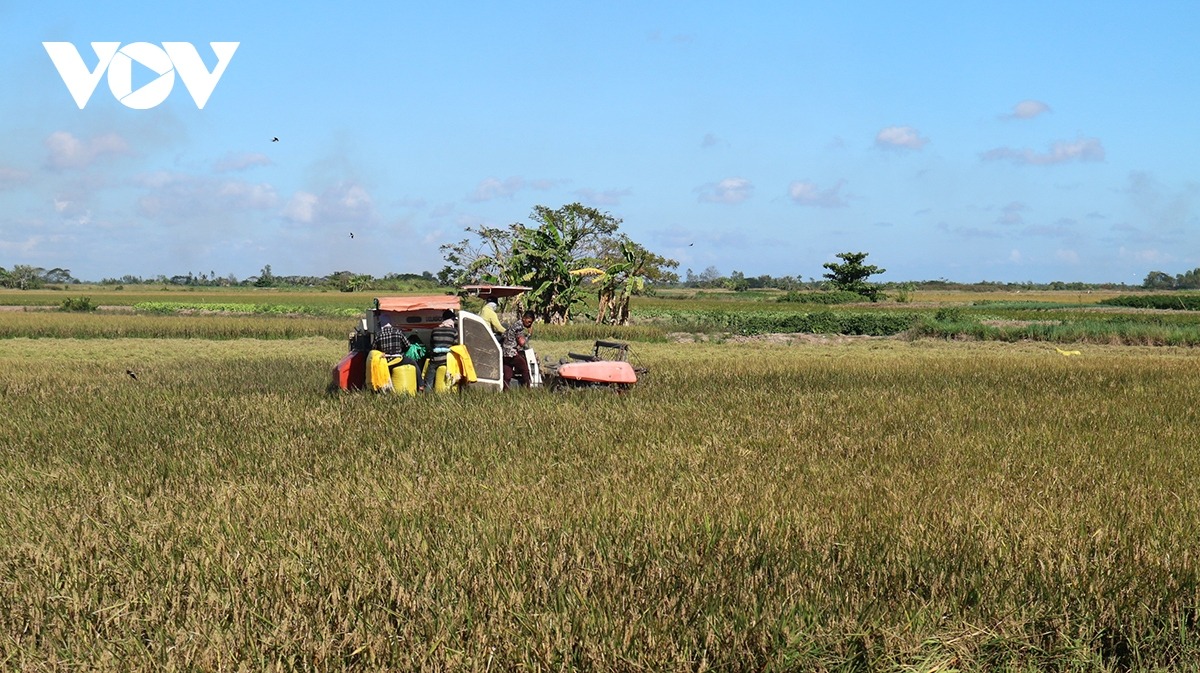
column 515, row 338
column 489, row 316
column 390, row 340
column 441, row 339
column 393, row 343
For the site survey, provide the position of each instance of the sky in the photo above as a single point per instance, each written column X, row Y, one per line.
column 969, row 141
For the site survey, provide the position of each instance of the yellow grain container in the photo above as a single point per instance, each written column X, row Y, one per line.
column 440, row 384
column 377, row 377
column 404, row 379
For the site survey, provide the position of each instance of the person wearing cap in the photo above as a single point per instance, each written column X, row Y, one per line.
column 441, row 338
column 489, row 316
column 393, row 343
column 389, row 339
column 515, row 338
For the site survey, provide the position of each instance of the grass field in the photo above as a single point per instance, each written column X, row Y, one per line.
column 874, row 505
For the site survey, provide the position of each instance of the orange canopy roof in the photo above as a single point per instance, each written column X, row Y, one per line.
column 436, row 302
column 494, row 291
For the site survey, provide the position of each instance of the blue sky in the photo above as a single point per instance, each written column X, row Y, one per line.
column 1005, row 141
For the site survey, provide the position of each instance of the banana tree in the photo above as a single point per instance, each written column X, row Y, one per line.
column 616, row 283
column 545, row 256
column 542, row 259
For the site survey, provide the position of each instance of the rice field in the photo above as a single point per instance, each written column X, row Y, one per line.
column 874, row 504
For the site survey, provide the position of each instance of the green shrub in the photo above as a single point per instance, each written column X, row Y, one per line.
column 1177, row 302
column 79, row 304
column 835, row 297
column 950, row 314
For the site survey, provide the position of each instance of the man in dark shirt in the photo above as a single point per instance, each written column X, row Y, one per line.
column 441, row 338
column 394, row 343
column 515, row 338
column 390, row 340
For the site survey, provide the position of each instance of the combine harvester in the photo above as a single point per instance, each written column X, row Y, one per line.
column 476, row 361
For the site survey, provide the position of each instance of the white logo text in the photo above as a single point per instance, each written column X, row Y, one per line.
column 117, row 61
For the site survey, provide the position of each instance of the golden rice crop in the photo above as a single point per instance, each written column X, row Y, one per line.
column 53, row 324
column 873, row 505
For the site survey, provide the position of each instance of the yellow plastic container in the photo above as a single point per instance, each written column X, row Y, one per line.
column 404, row 379
column 377, row 377
column 439, row 381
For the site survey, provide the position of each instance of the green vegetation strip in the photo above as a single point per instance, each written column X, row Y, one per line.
column 1172, row 301
column 902, row 506
column 764, row 322
column 169, row 307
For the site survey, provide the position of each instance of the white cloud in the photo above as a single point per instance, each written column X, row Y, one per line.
column 494, row 188
column 967, row 232
column 729, row 190
column 1160, row 206
column 1067, row 256
column 1011, row 213
column 241, row 161
column 1028, row 109
column 608, row 197
column 900, row 137
column 809, row 194
column 65, row 151
column 301, row 208
column 343, row 203
column 346, row 203
column 1082, row 149
column 11, row 177
column 181, row 197
column 1145, row 256
column 442, row 210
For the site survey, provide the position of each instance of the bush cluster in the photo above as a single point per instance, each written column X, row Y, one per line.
column 834, row 297
column 171, row 307
column 1177, row 302
column 768, row 322
column 78, row 304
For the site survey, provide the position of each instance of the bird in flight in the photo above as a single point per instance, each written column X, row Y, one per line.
column 691, row 244
column 352, row 234
column 131, row 374
column 275, row 139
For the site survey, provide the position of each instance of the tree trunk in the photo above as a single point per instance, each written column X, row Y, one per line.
column 602, row 310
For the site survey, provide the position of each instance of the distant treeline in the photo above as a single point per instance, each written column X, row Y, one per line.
column 711, row 279
column 1157, row 280
column 344, row 281
column 31, row 278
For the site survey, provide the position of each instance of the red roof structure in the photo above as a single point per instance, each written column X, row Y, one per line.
column 436, row 302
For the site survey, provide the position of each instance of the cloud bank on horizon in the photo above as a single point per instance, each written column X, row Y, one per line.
column 969, row 144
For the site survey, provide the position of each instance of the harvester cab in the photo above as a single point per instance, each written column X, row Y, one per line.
column 475, row 361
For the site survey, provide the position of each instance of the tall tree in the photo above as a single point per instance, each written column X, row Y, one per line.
column 546, row 255
column 1157, row 280
column 25, row 277
column 482, row 257
column 851, row 274
column 624, row 274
